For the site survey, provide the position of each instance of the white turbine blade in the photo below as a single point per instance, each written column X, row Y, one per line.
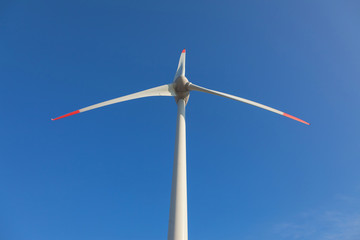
column 205, row 90
column 181, row 66
column 164, row 90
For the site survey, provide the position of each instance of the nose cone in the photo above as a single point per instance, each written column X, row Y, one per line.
column 181, row 84
column 181, row 88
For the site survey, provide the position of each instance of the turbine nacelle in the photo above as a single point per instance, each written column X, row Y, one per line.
column 181, row 87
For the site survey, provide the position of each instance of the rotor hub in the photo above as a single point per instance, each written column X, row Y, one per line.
column 181, row 88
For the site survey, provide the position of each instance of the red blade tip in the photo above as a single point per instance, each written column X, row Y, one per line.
column 295, row 118
column 66, row 115
column 184, row 50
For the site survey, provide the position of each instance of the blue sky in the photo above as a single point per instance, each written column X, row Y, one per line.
column 252, row 174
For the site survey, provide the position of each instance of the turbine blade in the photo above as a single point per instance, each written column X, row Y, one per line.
column 181, row 66
column 164, row 90
column 194, row 87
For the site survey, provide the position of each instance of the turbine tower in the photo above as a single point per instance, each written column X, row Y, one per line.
column 180, row 89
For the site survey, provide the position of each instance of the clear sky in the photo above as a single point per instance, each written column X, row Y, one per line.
column 252, row 174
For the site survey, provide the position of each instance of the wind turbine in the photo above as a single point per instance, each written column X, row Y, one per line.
column 180, row 89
